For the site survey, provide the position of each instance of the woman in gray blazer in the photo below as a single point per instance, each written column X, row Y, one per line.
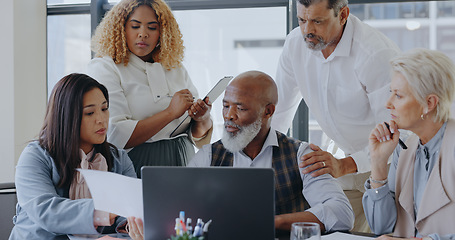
column 53, row 199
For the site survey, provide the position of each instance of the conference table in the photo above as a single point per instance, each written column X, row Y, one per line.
column 280, row 235
column 100, row 236
column 285, row 235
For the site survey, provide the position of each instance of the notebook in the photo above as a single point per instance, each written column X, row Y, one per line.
column 239, row 201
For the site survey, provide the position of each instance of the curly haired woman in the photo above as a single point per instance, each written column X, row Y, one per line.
column 139, row 53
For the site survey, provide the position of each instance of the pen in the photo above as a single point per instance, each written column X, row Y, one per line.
column 206, row 226
column 171, row 96
column 205, row 231
column 399, row 140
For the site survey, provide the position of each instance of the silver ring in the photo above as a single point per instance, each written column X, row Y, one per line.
column 195, row 113
column 323, row 164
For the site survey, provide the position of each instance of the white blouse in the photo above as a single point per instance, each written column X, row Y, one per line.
column 137, row 91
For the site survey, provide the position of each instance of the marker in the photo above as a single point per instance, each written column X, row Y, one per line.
column 189, row 228
column 198, row 228
column 182, row 215
column 182, row 227
column 177, row 227
column 399, row 140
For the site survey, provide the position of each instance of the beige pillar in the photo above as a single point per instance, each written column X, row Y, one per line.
column 23, row 78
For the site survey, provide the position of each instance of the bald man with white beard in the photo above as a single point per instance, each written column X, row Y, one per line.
column 249, row 141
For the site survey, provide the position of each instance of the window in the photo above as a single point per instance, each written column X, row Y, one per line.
column 226, row 42
column 229, row 41
column 409, row 25
column 68, row 46
column 50, row 2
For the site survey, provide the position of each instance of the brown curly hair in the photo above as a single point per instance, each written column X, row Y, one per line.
column 110, row 40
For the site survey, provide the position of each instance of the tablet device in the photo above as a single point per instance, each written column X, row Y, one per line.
column 213, row 94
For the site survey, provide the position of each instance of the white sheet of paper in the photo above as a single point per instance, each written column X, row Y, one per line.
column 115, row 193
column 343, row 236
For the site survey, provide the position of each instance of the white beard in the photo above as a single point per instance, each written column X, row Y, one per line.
column 238, row 141
column 316, row 46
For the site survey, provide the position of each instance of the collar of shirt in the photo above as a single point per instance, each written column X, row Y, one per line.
column 343, row 47
column 432, row 149
column 263, row 159
column 155, row 74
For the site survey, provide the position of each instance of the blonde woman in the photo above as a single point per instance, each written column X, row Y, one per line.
column 415, row 198
column 139, row 53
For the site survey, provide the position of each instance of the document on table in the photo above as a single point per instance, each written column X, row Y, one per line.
column 344, row 236
column 115, row 193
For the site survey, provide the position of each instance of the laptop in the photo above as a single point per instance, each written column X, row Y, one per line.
column 239, row 201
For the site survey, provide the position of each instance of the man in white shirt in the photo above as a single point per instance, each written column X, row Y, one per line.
column 340, row 66
column 249, row 141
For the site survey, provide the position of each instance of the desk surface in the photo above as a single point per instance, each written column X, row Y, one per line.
column 285, row 235
column 91, row 237
column 280, row 235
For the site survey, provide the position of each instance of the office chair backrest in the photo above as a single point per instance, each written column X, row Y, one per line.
column 8, row 202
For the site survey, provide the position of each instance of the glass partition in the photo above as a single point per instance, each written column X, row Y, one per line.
column 229, row 41
column 410, row 25
column 226, row 42
column 68, row 46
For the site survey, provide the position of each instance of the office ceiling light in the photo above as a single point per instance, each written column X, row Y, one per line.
column 412, row 25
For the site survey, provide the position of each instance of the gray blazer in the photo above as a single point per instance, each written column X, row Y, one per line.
column 44, row 211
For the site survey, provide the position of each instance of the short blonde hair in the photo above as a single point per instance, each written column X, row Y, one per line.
column 428, row 72
column 110, row 40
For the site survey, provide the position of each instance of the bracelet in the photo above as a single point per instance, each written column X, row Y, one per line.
column 378, row 181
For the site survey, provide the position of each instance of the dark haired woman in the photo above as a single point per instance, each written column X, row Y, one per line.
column 53, row 199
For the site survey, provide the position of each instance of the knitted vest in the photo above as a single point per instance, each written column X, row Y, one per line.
column 288, row 182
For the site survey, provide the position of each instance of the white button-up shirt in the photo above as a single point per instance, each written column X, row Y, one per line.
column 137, row 91
column 346, row 92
